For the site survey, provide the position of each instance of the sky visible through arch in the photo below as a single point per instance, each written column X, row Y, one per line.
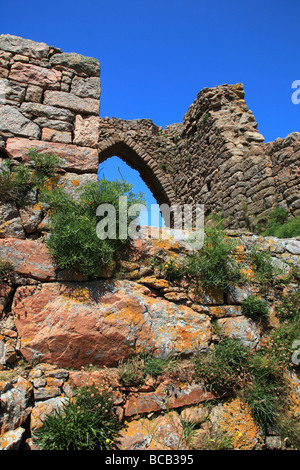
column 115, row 168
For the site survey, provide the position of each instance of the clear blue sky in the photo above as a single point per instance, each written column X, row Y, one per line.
column 157, row 55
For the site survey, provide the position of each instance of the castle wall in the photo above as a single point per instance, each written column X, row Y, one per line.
column 51, row 100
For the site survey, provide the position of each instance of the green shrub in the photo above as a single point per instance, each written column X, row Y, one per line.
column 214, row 262
column 17, row 179
column 131, row 371
column 14, row 181
column 279, row 225
column 263, row 402
column 86, row 423
column 255, row 308
column 289, row 428
column 225, row 368
column 73, row 239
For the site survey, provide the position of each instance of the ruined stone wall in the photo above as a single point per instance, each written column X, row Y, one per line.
column 51, row 100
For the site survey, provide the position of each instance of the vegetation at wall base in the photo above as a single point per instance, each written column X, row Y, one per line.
column 84, row 423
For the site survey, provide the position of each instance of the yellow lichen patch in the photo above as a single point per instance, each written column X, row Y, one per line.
column 248, row 273
column 168, row 245
column 238, row 423
column 154, row 282
column 160, row 433
column 239, row 253
column 50, row 183
column 75, row 182
column 37, row 207
column 293, row 398
column 79, row 295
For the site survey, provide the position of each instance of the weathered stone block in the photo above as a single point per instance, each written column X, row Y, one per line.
column 35, row 75
column 15, row 404
column 69, row 101
column 86, row 131
column 54, row 124
column 77, row 62
column 10, row 222
column 82, row 159
column 49, row 112
column 63, row 324
column 31, row 216
column 26, row 47
column 53, row 135
column 11, row 92
column 11, row 440
column 86, row 87
column 242, row 329
column 43, row 409
column 12, row 121
column 71, row 182
column 165, row 398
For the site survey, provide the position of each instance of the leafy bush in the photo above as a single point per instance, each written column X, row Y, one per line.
column 85, row 423
column 17, row 179
column 255, row 308
column 214, row 263
column 279, row 225
column 73, row 239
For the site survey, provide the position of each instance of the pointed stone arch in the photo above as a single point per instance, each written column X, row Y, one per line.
column 147, row 167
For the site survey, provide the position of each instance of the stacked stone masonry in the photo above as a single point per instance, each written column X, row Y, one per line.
column 216, row 156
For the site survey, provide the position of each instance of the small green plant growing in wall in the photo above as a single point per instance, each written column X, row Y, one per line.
column 16, row 179
column 214, row 263
column 204, row 118
column 6, row 269
column 255, row 308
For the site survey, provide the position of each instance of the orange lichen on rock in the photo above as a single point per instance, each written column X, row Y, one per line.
column 248, row 273
column 293, row 398
column 80, row 294
column 239, row 253
column 238, row 423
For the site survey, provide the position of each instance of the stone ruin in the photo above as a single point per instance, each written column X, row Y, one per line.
column 51, row 100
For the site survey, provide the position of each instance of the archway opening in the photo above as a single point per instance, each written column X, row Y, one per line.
column 113, row 168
